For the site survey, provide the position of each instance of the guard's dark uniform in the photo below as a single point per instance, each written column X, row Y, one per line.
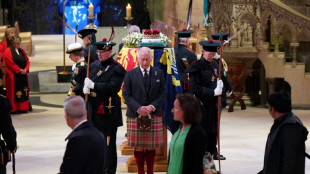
column 7, row 130
column 93, row 49
column 184, row 58
column 77, row 79
column 108, row 77
column 93, row 53
column 203, row 77
column 227, row 86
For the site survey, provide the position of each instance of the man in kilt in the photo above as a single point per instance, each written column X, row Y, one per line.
column 144, row 92
column 104, row 106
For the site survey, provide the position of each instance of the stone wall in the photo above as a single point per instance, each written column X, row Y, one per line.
column 179, row 9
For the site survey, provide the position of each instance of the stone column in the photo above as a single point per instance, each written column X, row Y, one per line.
column 294, row 45
column 276, row 42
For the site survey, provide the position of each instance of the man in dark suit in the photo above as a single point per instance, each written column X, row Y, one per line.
column 6, row 129
column 144, row 93
column 85, row 151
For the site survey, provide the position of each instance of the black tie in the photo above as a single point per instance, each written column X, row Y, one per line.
column 145, row 77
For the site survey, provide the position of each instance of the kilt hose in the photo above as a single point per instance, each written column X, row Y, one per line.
column 152, row 138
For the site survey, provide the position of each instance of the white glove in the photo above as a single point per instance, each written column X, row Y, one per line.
column 218, row 91
column 228, row 93
column 219, row 83
column 88, row 83
column 86, row 90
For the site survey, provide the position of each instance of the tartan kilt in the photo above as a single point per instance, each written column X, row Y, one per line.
column 153, row 138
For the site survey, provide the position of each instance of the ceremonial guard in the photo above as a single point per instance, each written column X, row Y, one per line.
column 89, row 38
column 206, row 87
column 227, row 86
column 184, row 57
column 8, row 144
column 75, row 51
column 104, row 106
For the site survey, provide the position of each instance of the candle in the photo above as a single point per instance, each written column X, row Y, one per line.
column 91, row 10
column 128, row 11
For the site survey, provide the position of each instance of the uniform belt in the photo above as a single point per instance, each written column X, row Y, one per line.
column 93, row 94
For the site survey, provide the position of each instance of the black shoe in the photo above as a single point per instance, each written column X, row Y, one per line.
column 217, row 158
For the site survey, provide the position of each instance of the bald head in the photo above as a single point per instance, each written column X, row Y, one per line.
column 134, row 28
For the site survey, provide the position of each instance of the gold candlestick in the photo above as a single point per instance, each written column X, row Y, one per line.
column 91, row 25
column 128, row 19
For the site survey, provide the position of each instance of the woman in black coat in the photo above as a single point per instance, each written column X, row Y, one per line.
column 187, row 146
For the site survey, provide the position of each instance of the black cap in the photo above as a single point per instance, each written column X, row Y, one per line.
column 217, row 36
column 210, row 45
column 184, row 33
column 104, row 45
column 85, row 32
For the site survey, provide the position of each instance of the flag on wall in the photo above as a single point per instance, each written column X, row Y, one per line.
column 205, row 13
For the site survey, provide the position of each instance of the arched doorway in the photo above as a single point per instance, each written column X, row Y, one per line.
column 255, row 83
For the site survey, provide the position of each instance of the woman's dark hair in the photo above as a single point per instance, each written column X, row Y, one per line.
column 280, row 101
column 191, row 108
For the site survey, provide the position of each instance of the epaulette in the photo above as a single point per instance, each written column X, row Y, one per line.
column 194, row 66
column 118, row 63
column 189, row 49
column 120, row 70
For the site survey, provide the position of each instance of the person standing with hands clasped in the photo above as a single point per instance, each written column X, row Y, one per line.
column 206, row 86
column 285, row 147
column 144, row 93
column 188, row 144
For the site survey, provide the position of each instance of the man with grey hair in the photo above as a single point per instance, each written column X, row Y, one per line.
column 144, row 93
column 184, row 57
column 85, row 151
column 132, row 29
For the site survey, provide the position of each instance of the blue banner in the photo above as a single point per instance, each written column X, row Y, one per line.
column 167, row 63
column 205, row 13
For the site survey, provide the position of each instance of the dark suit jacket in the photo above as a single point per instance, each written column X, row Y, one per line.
column 85, row 151
column 285, row 147
column 134, row 91
column 6, row 127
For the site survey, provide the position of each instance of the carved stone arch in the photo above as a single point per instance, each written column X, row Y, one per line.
column 304, row 35
column 265, row 17
column 281, row 24
column 222, row 19
column 249, row 18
